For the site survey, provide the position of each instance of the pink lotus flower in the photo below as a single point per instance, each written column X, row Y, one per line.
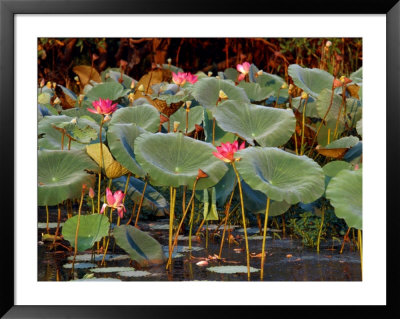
column 91, row 193
column 244, row 69
column 226, row 151
column 180, row 78
column 104, row 107
column 191, row 78
column 115, row 202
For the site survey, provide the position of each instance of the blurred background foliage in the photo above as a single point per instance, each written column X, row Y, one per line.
column 57, row 57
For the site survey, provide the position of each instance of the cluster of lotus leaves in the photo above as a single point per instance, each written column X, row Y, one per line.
column 345, row 194
column 61, row 175
column 174, row 159
column 266, row 125
column 280, row 175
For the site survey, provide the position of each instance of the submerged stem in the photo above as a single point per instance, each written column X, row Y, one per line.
column 77, row 231
column 171, row 223
column 320, row 228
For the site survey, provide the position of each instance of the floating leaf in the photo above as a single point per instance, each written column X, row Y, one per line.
column 134, row 274
column 268, row 126
column 99, row 257
column 206, row 91
column 61, row 175
column 174, row 160
column 106, row 270
column 92, row 228
column 312, row 81
column 231, row 269
column 345, row 193
column 112, row 168
column 142, row 248
column 280, row 175
column 80, row 266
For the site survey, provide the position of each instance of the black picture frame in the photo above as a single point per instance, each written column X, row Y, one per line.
column 9, row 8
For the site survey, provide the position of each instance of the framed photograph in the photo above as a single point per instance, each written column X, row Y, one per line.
column 168, row 158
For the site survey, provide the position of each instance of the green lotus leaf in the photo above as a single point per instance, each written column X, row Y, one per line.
column 273, row 82
column 106, row 270
column 114, row 74
column 345, row 193
column 82, row 112
column 221, row 136
column 357, row 76
column 354, row 111
column 344, row 142
column 50, row 139
column 231, row 74
column 195, row 116
column 121, row 138
column 206, row 91
column 210, row 206
column 142, row 248
column 152, row 200
column 359, row 127
column 146, row 116
column 312, row 81
column 255, row 92
column 255, row 202
column 92, row 228
column 109, row 90
column 174, row 159
column 44, row 98
column 333, row 168
column 311, row 107
column 266, row 125
column 281, row 175
column 172, row 68
column 61, row 175
column 322, row 137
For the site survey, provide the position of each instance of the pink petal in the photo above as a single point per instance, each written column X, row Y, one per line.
column 241, row 77
column 119, row 196
column 103, row 208
column 246, row 67
column 93, row 111
column 242, row 145
column 110, row 197
column 240, row 68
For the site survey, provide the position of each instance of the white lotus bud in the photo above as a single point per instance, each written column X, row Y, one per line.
column 209, row 73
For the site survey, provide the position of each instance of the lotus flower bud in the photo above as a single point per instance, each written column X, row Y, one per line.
column 107, row 118
column 48, row 84
column 176, row 125
column 169, row 60
column 217, row 77
column 81, row 97
column 42, row 83
column 76, row 78
column 54, row 85
column 337, row 83
column 132, row 84
column 260, row 72
column 304, row 95
column 73, row 121
column 345, row 80
column 188, row 104
column 284, row 86
column 291, row 88
column 222, row 95
column 91, row 193
column 209, row 73
column 94, row 56
column 163, row 119
column 201, row 174
column 107, row 76
column 356, row 167
column 131, row 97
column 141, row 88
column 57, row 101
column 328, row 44
column 84, row 188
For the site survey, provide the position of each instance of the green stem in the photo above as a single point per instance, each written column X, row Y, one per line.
column 108, row 240
column 228, row 206
column 244, row 220
column 141, row 202
column 58, row 224
column 206, row 234
column 264, row 237
column 277, row 98
column 320, row 228
column 77, row 232
column 360, row 247
column 191, row 227
column 101, row 165
column 213, row 132
column 302, row 127
column 172, row 193
column 47, row 219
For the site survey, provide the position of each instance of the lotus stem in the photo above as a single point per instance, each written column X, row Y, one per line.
column 58, row 224
column 213, row 132
column 92, row 206
column 133, row 213
column 69, row 143
column 183, row 217
column 187, row 121
column 62, row 140
column 171, row 222
column 184, row 198
column 47, row 219
column 108, row 240
column 320, row 228
column 201, row 225
column 340, row 111
column 344, row 240
column 191, row 227
column 329, row 136
column 360, row 247
column 277, row 98
column 227, row 208
column 77, row 231
column 244, row 220
column 302, row 127
column 141, row 202
column 207, row 234
column 101, row 163
column 123, row 200
column 264, row 238
column 295, row 142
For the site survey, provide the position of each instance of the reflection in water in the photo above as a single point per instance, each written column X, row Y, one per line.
column 303, row 265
